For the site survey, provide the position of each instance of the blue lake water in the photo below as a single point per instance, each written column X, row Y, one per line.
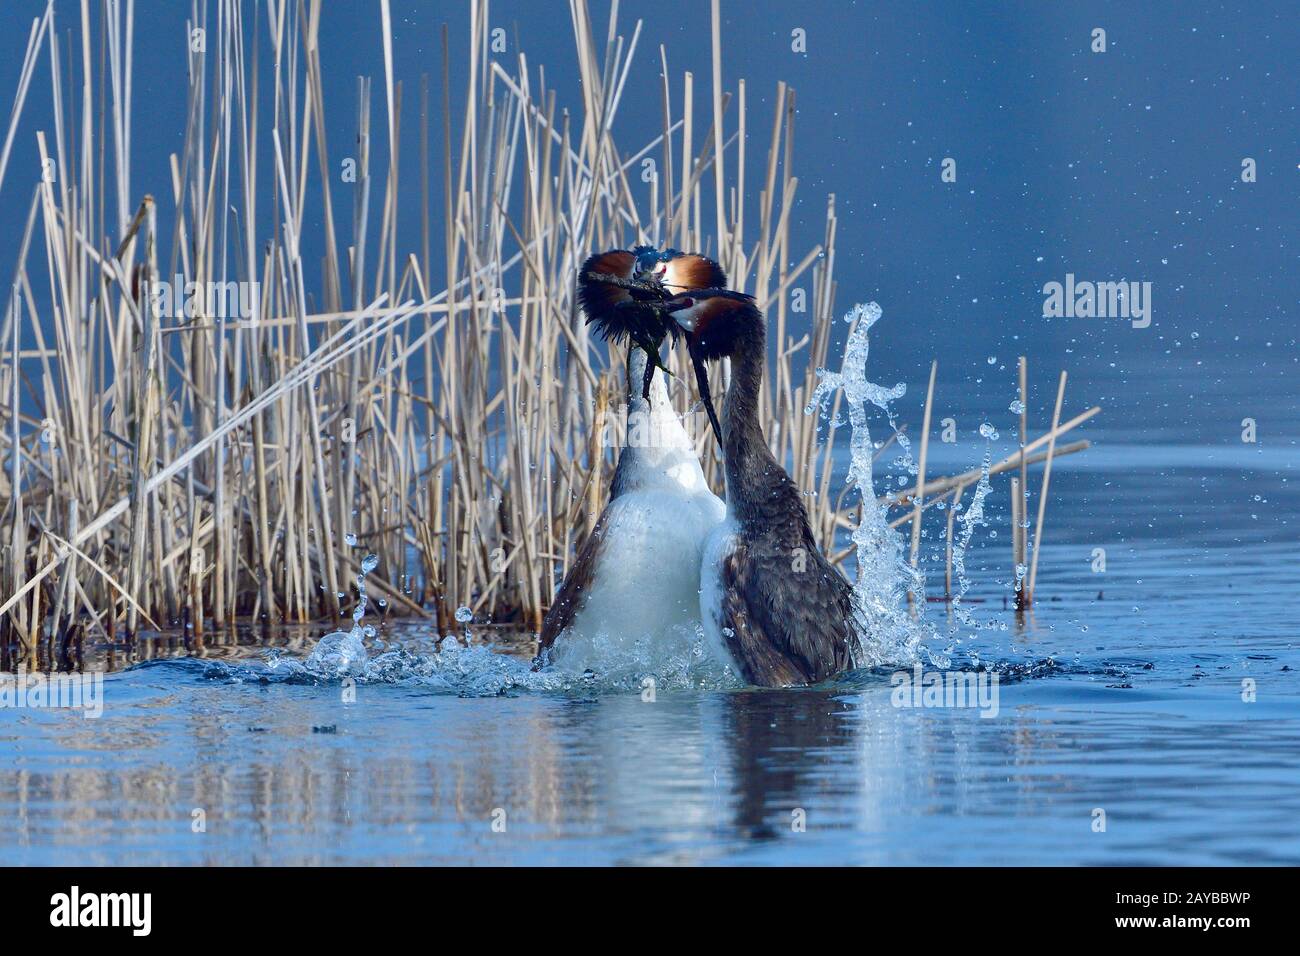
column 1124, row 693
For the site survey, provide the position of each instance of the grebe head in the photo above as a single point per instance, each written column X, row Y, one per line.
column 623, row 291
column 715, row 322
column 650, row 265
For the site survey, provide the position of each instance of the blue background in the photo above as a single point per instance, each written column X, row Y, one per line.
column 1122, row 165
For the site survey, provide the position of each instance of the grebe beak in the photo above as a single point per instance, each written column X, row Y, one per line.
column 702, row 380
column 682, row 311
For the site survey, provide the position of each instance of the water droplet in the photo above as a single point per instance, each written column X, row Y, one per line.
column 351, row 539
column 464, row 615
column 1017, row 407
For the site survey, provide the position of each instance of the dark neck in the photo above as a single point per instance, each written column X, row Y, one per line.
column 749, row 464
column 760, row 495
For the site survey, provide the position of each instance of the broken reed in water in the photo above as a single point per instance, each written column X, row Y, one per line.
column 440, row 408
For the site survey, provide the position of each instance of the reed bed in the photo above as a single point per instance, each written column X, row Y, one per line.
column 442, row 407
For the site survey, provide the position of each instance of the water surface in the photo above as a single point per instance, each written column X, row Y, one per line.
column 1122, row 692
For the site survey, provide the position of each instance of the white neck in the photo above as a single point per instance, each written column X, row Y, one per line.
column 657, row 452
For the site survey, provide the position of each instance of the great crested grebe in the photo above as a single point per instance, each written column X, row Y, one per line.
column 637, row 575
column 768, row 596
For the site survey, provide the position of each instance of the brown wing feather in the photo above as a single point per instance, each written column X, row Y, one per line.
column 751, row 644
column 569, row 598
column 786, row 626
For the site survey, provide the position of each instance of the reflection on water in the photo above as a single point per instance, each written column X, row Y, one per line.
column 291, row 774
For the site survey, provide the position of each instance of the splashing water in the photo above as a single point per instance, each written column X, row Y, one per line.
column 343, row 653
column 970, row 519
column 368, row 564
column 676, row 656
column 453, row 666
column 472, row 669
column 887, row 634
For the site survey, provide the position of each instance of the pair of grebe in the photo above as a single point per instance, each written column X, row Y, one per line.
column 666, row 551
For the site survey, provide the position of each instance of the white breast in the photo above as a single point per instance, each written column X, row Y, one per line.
column 642, row 604
column 717, row 549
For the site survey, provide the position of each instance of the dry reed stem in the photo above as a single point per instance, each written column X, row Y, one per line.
column 217, row 465
column 1042, row 494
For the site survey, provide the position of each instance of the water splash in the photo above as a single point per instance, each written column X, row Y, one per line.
column 463, row 666
column 676, row 656
column 343, row 653
column 887, row 633
column 969, row 519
